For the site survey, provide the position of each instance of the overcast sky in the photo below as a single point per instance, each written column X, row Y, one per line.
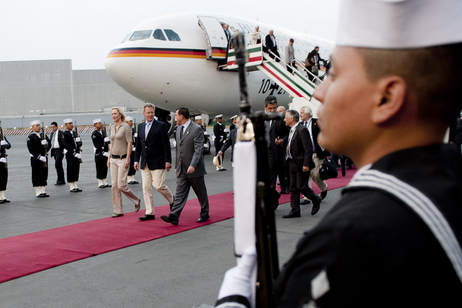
column 86, row 30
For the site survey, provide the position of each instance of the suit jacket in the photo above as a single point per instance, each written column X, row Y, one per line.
column 301, row 148
column 189, row 150
column 153, row 149
column 315, row 132
column 60, row 142
column 269, row 43
column 278, row 129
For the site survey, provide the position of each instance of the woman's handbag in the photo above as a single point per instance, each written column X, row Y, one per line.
column 328, row 169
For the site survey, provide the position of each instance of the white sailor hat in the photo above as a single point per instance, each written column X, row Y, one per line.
column 97, row 121
column 218, row 116
column 233, row 117
column 198, row 118
column 68, row 120
column 35, row 122
column 128, row 119
column 399, row 24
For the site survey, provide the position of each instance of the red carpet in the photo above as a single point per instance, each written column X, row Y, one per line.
column 30, row 253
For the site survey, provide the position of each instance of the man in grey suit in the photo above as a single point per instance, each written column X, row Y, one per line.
column 189, row 167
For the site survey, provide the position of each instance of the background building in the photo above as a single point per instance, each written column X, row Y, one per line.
column 49, row 88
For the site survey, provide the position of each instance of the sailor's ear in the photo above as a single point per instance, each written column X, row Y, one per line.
column 390, row 99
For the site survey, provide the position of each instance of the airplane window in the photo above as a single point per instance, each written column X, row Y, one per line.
column 172, row 35
column 159, row 35
column 140, row 35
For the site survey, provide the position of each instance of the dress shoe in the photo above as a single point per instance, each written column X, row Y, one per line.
column 137, row 206
column 5, row 201
column 316, row 206
column 323, row 194
column 117, row 215
column 222, row 169
column 203, row 219
column 304, row 201
column 108, row 185
column 147, row 217
column 170, row 219
column 292, row 214
column 43, row 195
column 133, row 182
column 75, row 190
column 102, row 186
column 60, row 183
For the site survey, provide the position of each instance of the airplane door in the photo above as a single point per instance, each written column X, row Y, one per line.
column 217, row 42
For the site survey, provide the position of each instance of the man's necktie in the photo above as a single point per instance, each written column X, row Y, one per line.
column 181, row 132
column 146, row 129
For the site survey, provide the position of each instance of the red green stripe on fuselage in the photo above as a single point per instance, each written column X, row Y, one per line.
column 157, row 52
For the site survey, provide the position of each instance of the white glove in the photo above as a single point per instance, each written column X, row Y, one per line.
column 43, row 158
column 3, row 160
column 135, row 135
column 78, row 155
column 237, row 280
column 44, row 142
column 133, row 149
column 106, row 154
column 3, row 142
column 106, row 139
column 78, row 139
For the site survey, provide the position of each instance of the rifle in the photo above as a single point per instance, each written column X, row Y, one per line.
column 78, row 144
column 106, row 140
column 254, row 197
column 3, row 147
column 46, row 147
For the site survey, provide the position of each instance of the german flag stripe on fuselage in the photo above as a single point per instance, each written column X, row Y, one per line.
column 157, row 52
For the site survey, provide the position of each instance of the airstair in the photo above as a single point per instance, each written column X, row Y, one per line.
column 293, row 80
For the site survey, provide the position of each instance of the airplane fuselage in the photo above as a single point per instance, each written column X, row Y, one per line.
column 164, row 61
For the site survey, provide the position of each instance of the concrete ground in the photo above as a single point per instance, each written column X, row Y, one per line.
column 181, row 270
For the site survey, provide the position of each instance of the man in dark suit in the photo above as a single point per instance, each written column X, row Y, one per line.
column 272, row 46
column 319, row 154
column 57, row 151
column 153, row 156
column 277, row 131
column 299, row 154
column 189, row 167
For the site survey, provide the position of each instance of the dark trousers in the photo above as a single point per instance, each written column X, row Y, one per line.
column 3, row 176
column 101, row 166
column 131, row 169
column 299, row 184
column 73, row 168
column 59, row 156
column 39, row 172
column 183, row 185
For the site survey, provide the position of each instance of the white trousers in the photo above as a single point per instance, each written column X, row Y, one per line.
column 154, row 178
column 315, row 175
column 119, row 185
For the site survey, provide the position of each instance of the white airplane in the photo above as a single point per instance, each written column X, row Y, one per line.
column 173, row 61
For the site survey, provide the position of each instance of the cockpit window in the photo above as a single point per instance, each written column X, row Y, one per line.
column 140, row 35
column 172, row 36
column 159, row 35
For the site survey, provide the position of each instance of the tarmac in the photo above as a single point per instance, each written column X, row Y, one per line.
column 181, row 270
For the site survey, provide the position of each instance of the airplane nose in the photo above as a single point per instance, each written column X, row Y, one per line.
column 123, row 70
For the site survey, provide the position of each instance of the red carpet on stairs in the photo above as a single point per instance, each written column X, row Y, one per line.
column 26, row 254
